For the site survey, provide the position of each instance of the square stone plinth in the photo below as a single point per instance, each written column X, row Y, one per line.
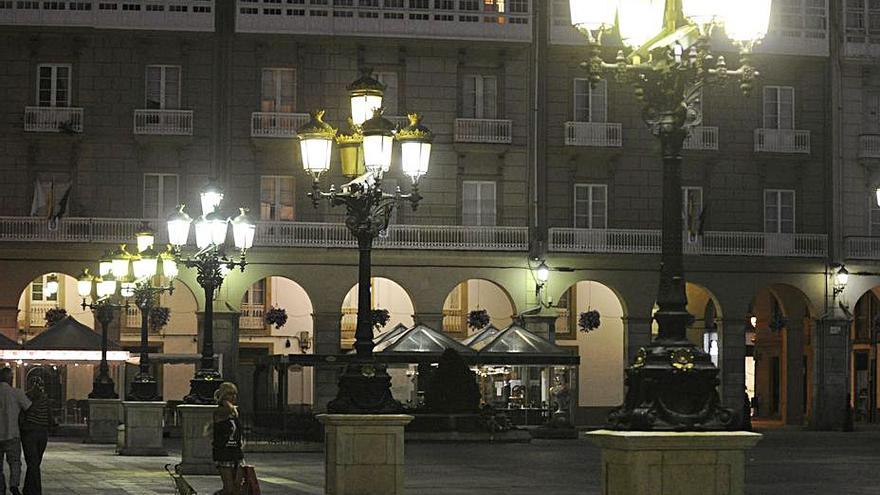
column 363, row 453
column 667, row 463
column 197, row 426
column 144, row 426
column 104, row 418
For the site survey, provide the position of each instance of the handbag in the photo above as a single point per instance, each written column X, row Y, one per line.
column 250, row 485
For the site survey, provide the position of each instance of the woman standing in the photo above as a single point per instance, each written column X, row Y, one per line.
column 34, row 425
column 227, row 439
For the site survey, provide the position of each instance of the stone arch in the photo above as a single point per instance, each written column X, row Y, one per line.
column 864, row 336
column 386, row 294
column 779, row 364
column 473, row 294
column 602, row 350
column 33, row 304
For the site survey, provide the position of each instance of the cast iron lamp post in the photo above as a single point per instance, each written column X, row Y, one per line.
column 365, row 154
column 101, row 291
column 671, row 385
column 212, row 265
column 139, row 276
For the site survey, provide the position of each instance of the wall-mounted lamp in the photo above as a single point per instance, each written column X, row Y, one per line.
column 841, row 277
column 753, row 321
column 877, row 194
column 304, row 339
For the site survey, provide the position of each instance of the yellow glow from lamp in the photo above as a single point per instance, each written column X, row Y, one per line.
column 145, row 265
column 746, row 21
column 51, row 286
column 593, row 14
column 84, row 283
column 640, row 20
column 145, row 239
column 316, row 144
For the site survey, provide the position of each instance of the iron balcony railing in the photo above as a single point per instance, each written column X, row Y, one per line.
column 702, row 138
column 869, row 146
column 782, row 141
column 53, row 119
column 163, row 122
column 863, row 248
column 277, row 124
column 449, row 237
column 483, row 131
column 710, row 243
column 603, row 134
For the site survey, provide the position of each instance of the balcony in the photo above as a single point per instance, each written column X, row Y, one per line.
column 631, row 241
column 37, row 312
column 869, row 146
column 251, row 318
column 172, row 15
column 53, row 119
column 459, row 20
column 782, row 141
column 276, row 125
column 163, row 122
column 863, row 248
column 277, row 234
column 703, row 138
column 600, row 134
column 497, row 131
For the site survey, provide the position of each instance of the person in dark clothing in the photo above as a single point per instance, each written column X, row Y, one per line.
column 227, row 441
column 34, row 425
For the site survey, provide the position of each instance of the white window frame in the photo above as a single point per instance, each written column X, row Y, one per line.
column 478, row 97
column 41, row 282
column 53, row 100
column 277, row 206
column 479, row 214
column 260, row 287
column 162, row 190
column 596, row 97
column 589, row 204
column 873, row 214
column 163, row 97
column 778, row 193
column 779, row 91
column 392, row 80
column 277, row 100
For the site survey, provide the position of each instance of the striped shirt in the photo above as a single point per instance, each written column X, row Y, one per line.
column 37, row 417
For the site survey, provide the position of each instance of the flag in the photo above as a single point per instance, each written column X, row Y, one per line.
column 51, row 200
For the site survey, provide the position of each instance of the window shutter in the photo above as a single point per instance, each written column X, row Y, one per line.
column 172, row 88
column 169, row 195
column 598, row 102
column 62, row 89
column 267, row 91
column 469, row 97
column 288, row 91
column 771, row 109
column 151, row 196
column 786, row 212
column 771, row 223
column 581, row 100
column 154, row 87
column 487, row 203
column 469, row 204
column 786, row 108
column 490, row 97
column 599, row 207
column 286, row 199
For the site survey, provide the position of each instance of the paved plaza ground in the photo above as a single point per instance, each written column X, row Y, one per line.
column 785, row 462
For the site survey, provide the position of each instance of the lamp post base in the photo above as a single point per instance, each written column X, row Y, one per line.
column 671, row 386
column 202, row 386
column 144, row 388
column 364, row 388
column 103, row 388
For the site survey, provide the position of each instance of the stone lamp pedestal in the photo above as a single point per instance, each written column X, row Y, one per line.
column 197, row 426
column 363, row 453
column 144, row 426
column 104, row 418
column 660, row 463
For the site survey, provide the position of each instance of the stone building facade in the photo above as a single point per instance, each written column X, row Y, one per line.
column 134, row 105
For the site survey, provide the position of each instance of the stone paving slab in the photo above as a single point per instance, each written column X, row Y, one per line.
column 785, row 462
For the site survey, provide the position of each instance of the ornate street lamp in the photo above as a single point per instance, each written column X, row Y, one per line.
column 841, row 278
column 140, row 277
column 668, row 60
column 212, row 265
column 365, row 385
column 101, row 291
